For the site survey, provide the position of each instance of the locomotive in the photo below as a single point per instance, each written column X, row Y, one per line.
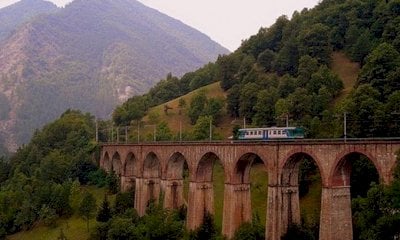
column 271, row 133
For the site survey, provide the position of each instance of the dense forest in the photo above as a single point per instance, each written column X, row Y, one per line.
column 39, row 183
column 282, row 71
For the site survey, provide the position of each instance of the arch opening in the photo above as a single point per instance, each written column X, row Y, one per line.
column 359, row 172
column 129, row 168
column 151, row 174
column 251, row 170
column 151, row 166
column 129, row 180
column 210, row 172
column 177, row 167
column 177, row 182
column 116, row 164
column 106, row 162
column 302, row 191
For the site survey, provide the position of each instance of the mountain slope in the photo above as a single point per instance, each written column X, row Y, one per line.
column 91, row 55
column 311, row 69
column 14, row 15
column 341, row 65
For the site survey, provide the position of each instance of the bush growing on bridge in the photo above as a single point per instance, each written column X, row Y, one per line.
column 207, row 230
column 254, row 230
column 298, row 232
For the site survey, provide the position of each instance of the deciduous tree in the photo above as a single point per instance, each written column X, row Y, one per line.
column 87, row 208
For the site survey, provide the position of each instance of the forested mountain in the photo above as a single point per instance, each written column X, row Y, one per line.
column 90, row 55
column 13, row 16
column 285, row 70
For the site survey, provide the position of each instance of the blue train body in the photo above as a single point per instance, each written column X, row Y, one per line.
column 270, row 133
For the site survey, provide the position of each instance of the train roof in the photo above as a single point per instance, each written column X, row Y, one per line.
column 267, row 128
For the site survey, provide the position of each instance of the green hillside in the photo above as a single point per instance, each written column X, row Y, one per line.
column 334, row 58
column 73, row 227
column 341, row 65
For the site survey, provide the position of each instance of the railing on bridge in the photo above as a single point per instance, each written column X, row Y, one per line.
column 251, row 142
column 134, row 135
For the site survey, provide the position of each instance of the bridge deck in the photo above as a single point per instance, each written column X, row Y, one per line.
column 262, row 142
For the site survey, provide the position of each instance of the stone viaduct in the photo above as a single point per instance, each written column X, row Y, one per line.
column 155, row 168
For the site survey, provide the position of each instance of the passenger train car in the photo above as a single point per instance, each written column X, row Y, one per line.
column 270, row 133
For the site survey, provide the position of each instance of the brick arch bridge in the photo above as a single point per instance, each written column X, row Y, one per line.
column 155, row 168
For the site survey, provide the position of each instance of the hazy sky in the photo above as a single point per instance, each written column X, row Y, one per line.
column 226, row 21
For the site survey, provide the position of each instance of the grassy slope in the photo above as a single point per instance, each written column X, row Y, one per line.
column 347, row 71
column 73, row 227
column 259, row 191
column 310, row 204
column 172, row 118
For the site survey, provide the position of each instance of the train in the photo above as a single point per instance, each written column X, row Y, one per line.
column 270, row 133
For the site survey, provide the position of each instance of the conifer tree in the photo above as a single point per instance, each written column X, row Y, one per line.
column 104, row 213
column 207, row 230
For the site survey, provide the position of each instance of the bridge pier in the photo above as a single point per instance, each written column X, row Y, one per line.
column 237, row 207
column 146, row 189
column 283, row 209
column 201, row 200
column 173, row 194
column 336, row 219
